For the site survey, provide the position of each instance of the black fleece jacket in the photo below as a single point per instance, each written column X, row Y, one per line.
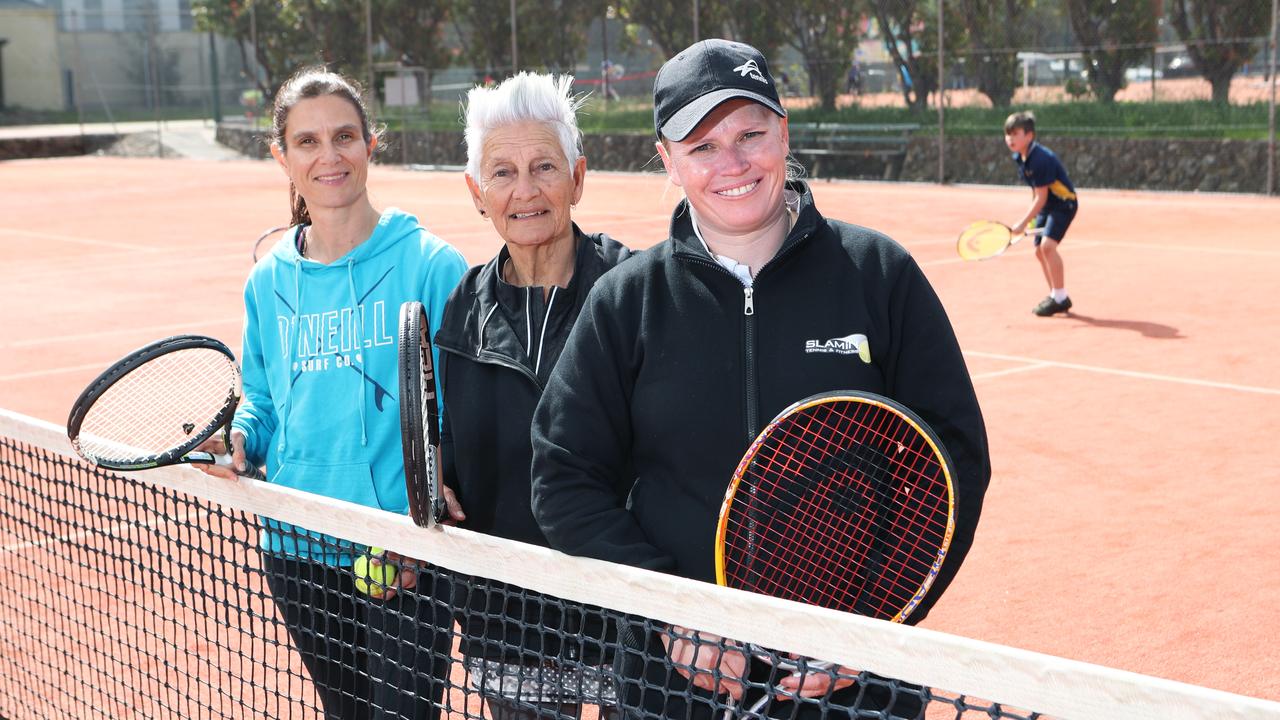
column 498, row 344
column 674, row 367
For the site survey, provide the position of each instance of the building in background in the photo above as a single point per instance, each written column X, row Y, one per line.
column 29, row 67
column 119, row 58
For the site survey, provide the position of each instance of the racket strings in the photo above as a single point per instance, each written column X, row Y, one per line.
column 159, row 406
column 983, row 240
column 863, row 497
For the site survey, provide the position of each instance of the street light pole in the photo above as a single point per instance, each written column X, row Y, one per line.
column 515, row 47
column 253, row 39
column 368, row 49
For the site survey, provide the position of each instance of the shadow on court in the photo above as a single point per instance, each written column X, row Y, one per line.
column 1148, row 329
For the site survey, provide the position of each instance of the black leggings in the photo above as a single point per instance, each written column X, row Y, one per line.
column 368, row 658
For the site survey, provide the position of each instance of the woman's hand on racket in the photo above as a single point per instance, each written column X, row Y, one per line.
column 453, row 513
column 708, row 661
column 215, row 445
column 816, row 682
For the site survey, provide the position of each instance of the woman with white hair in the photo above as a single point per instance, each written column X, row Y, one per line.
column 501, row 335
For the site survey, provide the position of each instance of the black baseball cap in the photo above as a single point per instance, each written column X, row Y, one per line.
column 704, row 75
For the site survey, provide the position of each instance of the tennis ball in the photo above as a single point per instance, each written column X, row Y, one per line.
column 374, row 578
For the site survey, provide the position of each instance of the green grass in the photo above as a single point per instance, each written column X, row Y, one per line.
column 1192, row 119
column 20, row 116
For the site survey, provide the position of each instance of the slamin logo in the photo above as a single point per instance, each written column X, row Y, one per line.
column 751, row 70
column 855, row 344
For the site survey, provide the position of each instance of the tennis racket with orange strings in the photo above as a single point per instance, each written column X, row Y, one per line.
column 986, row 239
column 846, row 501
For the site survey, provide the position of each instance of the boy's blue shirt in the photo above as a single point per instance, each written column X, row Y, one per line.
column 321, row 405
column 1043, row 168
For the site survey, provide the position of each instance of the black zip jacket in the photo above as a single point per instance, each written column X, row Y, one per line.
column 674, row 367
column 498, row 344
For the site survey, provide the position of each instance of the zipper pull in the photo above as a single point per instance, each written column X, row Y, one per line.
column 749, row 308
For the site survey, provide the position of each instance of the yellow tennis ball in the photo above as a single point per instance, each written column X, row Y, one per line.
column 373, row 579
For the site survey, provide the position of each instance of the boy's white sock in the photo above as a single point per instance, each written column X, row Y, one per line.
column 1058, row 294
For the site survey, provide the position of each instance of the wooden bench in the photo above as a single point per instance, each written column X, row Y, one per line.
column 886, row 142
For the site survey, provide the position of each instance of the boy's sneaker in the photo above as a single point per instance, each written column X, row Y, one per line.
column 1049, row 306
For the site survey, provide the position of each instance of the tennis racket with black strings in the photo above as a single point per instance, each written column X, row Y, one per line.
column 986, row 239
column 846, row 501
column 419, row 417
column 156, row 405
column 257, row 244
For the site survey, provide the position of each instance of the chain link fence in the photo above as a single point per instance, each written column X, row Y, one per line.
column 1141, row 70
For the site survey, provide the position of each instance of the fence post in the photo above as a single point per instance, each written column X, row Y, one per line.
column 213, row 76
column 1271, row 109
column 942, row 96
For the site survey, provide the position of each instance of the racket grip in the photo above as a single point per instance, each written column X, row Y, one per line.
column 251, row 471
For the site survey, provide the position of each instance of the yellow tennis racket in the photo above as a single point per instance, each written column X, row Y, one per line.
column 987, row 238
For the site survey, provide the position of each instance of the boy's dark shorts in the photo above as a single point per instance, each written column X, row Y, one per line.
column 1055, row 222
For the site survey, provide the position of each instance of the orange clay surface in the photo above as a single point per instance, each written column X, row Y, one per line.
column 1133, row 518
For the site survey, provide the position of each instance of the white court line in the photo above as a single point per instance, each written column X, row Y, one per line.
column 1040, row 363
column 957, row 260
column 113, row 531
column 54, row 371
column 1196, row 249
column 134, row 266
column 1010, row 371
column 146, row 330
column 77, row 239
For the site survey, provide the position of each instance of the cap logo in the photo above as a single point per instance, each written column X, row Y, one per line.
column 751, row 70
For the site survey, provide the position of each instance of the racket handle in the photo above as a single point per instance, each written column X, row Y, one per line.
column 251, row 471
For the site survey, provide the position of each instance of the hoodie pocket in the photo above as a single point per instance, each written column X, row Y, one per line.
column 352, row 482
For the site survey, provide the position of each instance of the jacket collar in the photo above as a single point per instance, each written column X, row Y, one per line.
column 482, row 327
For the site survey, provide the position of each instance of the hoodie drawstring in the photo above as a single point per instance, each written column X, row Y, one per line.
column 358, row 322
column 291, row 350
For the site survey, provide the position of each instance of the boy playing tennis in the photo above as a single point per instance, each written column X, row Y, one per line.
column 1053, row 205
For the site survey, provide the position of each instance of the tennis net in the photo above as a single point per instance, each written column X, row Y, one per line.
column 171, row 594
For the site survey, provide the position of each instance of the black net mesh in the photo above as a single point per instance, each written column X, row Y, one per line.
column 122, row 599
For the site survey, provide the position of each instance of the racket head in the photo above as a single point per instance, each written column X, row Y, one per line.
column 419, row 416
column 845, row 500
column 257, row 244
column 153, row 407
column 984, row 239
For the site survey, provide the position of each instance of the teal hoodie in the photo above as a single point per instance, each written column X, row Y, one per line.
column 321, row 405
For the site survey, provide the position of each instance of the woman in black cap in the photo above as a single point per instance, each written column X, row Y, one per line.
column 683, row 354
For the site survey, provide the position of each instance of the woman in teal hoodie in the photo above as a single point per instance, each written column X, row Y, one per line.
column 321, row 406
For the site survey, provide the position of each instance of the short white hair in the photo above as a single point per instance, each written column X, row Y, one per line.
column 524, row 97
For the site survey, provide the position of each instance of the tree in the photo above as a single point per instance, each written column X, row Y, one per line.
column 761, row 24
column 1221, row 36
column 826, row 35
column 283, row 44
column 670, row 22
column 414, row 31
column 992, row 28
column 549, row 35
column 337, row 32
column 1115, row 36
column 909, row 29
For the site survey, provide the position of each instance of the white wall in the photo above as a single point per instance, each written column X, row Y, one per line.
column 32, row 73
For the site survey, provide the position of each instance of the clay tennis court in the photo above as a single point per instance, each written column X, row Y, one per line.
column 1131, row 520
